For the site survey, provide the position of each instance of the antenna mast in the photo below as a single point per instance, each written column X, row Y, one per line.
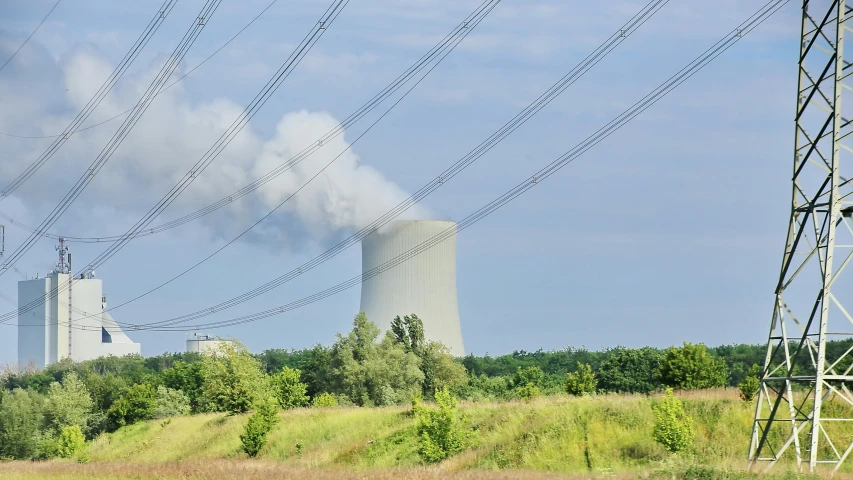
column 801, row 377
column 63, row 267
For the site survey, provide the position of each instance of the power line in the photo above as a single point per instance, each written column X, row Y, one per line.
column 640, row 106
column 121, row 134
column 601, row 134
column 93, row 103
column 578, row 71
column 437, row 52
column 158, row 93
column 31, row 35
column 212, row 153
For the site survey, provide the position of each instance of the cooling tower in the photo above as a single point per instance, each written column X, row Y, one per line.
column 424, row 284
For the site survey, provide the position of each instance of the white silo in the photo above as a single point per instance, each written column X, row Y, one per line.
column 424, row 284
column 204, row 343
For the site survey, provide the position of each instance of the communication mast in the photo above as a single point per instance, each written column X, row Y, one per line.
column 63, row 267
column 805, row 397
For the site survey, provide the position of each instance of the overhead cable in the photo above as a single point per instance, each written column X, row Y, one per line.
column 543, row 100
column 158, row 93
column 586, row 64
column 544, row 173
column 529, row 182
column 212, row 153
column 436, row 55
column 120, row 135
column 30, row 35
column 137, row 47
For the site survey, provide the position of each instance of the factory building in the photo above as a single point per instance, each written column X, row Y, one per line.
column 424, row 284
column 204, row 343
column 44, row 336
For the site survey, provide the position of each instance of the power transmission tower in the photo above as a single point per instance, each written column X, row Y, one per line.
column 804, row 401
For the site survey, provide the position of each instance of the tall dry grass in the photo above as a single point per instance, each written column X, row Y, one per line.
column 254, row 469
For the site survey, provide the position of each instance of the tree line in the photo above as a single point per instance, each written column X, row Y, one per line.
column 53, row 412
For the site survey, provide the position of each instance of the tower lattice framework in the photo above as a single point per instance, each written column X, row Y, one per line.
column 805, row 404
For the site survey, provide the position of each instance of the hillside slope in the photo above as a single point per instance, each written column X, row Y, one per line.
column 597, row 434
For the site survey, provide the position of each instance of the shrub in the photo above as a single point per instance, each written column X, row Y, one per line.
column 20, row 419
column 440, row 433
column 234, row 380
column 71, row 442
column 581, row 382
column 287, row 388
column 674, row 428
column 692, row 367
column 259, row 425
column 170, row 403
column 528, row 391
column 324, row 400
column 526, row 382
column 137, row 403
column 67, row 403
column 750, row 385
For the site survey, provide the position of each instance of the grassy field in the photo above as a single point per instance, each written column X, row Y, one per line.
column 595, row 437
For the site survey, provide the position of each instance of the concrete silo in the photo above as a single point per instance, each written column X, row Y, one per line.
column 424, row 284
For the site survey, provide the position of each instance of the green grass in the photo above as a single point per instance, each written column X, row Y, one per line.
column 590, row 437
column 561, row 434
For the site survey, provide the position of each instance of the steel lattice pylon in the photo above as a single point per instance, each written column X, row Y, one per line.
column 805, row 408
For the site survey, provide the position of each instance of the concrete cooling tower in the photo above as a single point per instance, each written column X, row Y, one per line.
column 424, row 284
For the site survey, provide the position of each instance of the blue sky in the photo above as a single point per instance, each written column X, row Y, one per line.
column 671, row 230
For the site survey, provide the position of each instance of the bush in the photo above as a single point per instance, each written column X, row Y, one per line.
column 692, row 367
column 324, row 400
column 67, row 403
column 440, row 433
column 287, row 388
column 674, row 428
column 750, row 385
column 528, row 391
column 20, row 419
column 260, row 423
column 170, row 403
column 527, row 381
column 71, row 442
column 234, row 380
column 581, row 382
column 137, row 403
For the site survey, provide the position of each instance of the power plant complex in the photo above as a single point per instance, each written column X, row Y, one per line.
column 424, row 284
column 56, row 322
column 58, row 319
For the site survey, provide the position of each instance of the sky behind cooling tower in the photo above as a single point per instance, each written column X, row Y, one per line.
column 669, row 230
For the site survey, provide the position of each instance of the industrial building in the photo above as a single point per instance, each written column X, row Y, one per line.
column 204, row 343
column 424, row 284
column 44, row 317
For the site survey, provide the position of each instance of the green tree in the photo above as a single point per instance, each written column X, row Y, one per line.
column 692, row 367
column 20, row 419
column 324, row 400
column 371, row 373
column 441, row 433
column 582, row 381
column 233, row 380
column 528, row 381
column 628, row 370
column 67, row 403
column 71, row 443
column 186, row 377
column 170, row 403
column 750, row 384
column 440, row 369
column 287, row 388
column 136, row 403
column 409, row 332
column 259, row 424
column 674, row 428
